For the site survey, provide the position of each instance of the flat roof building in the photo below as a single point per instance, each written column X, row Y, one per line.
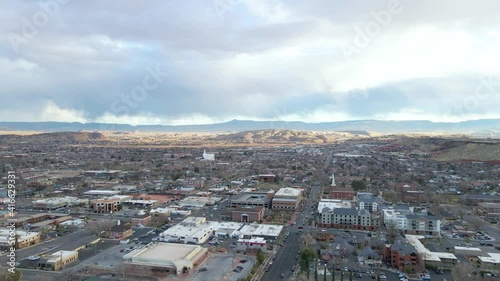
column 163, row 259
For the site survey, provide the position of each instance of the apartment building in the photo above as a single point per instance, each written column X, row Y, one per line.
column 367, row 201
column 420, row 224
column 347, row 218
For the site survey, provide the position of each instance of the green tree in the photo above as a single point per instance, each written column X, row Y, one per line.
column 358, row 185
column 260, row 256
column 315, row 271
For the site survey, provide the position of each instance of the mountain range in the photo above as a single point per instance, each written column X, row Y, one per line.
column 482, row 127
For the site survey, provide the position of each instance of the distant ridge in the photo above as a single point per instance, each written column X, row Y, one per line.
column 482, row 127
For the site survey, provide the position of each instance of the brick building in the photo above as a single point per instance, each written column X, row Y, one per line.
column 251, row 214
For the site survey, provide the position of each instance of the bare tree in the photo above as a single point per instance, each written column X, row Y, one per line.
column 69, row 274
column 463, row 272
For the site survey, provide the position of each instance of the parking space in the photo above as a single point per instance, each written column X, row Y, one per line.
column 221, row 266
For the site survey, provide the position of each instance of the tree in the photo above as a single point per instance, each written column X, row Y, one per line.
column 11, row 276
column 260, row 256
column 358, row 185
column 69, row 275
column 315, row 271
column 392, row 231
column 463, row 272
column 324, row 274
column 350, row 275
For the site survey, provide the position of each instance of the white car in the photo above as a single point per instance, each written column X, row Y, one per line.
column 33, row 258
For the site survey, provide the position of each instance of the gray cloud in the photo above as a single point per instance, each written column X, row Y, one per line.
column 262, row 60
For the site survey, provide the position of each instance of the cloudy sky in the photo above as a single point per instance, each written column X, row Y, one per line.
column 206, row 61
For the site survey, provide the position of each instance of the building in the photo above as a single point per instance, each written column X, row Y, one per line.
column 348, row 218
column 266, row 231
column 490, row 261
column 366, row 201
column 208, row 156
column 267, row 178
column 412, row 196
column 58, row 260
column 436, row 259
column 199, row 202
column 101, row 192
column 287, row 198
column 141, row 219
column 163, row 259
column 332, row 204
column 24, row 239
column 420, row 224
column 342, row 193
column 474, row 199
column 247, row 214
column 106, row 205
column 489, row 209
column 102, row 174
column 252, row 243
column 119, row 231
column 192, row 230
column 401, row 255
column 54, row 203
column 253, row 199
column 39, row 181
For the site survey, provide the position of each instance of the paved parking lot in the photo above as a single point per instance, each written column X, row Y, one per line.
column 220, row 266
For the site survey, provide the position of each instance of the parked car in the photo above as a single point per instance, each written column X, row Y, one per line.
column 33, row 258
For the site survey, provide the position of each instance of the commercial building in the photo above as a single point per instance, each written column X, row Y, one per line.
column 58, row 260
column 436, row 259
column 488, row 209
column 490, row 261
column 141, row 219
column 106, row 205
column 192, row 230
column 247, row 214
column 199, row 202
column 342, row 193
column 252, row 243
column 400, row 255
column 266, row 231
column 24, row 239
column 253, row 199
column 287, row 198
column 163, row 259
column 54, row 203
column 119, row 231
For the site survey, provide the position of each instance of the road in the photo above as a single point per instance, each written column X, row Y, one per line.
column 285, row 256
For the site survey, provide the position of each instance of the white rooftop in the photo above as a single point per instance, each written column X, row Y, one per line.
column 491, row 258
column 426, row 253
column 332, row 204
column 288, row 191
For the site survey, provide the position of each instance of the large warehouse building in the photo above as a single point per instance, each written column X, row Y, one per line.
column 163, row 259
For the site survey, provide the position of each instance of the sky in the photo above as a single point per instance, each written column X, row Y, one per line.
column 210, row 61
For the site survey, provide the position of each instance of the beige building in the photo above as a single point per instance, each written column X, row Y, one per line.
column 58, row 260
column 161, row 260
column 287, row 198
column 24, row 239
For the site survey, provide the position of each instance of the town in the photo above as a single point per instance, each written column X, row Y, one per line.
column 360, row 208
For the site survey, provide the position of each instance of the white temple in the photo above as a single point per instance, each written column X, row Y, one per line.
column 208, row 156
